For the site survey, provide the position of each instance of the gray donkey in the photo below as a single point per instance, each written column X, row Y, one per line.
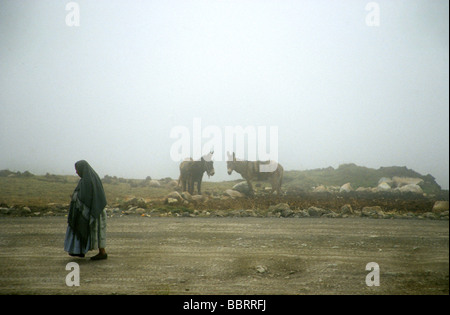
column 257, row 170
column 192, row 171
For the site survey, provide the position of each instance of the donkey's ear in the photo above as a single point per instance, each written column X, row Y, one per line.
column 234, row 157
column 229, row 156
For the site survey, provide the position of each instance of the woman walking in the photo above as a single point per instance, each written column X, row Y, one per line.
column 86, row 228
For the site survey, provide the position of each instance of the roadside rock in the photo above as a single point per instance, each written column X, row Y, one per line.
column 430, row 215
column 112, row 211
column 317, row 212
column 282, row 209
column 242, row 187
column 135, row 202
column 374, row 212
column 4, row 210
column 347, row 210
column 279, row 207
column 440, row 206
column 186, row 196
column 174, row 195
column 243, row 213
column 332, row 214
column 25, row 211
column 444, row 215
column 233, row 194
column 301, row 214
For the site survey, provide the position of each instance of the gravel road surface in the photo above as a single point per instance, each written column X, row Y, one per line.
column 230, row 256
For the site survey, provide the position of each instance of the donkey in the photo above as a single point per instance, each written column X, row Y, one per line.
column 257, row 170
column 184, row 173
column 192, row 171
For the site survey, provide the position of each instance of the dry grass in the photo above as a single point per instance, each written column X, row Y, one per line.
column 36, row 190
column 42, row 190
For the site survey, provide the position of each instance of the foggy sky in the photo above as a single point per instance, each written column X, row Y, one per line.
column 111, row 89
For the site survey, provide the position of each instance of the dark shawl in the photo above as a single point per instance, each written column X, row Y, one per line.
column 90, row 193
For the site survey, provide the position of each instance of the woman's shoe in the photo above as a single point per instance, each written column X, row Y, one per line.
column 99, row 256
column 76, row 255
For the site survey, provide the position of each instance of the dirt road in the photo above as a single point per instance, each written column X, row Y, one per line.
column 230, row 256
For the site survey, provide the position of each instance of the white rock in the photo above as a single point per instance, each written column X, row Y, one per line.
column 242, row 187
column 403, row 181
column 186, row 196
column 320, row 188
column 175, row 195
column 154, row 183
column 383, row 186
column 386, row 180
column 346, row 188
column 411, row 188
column 233, row 193
column 261, row 269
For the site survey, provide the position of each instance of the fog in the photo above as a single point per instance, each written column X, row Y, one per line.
column 342, row 81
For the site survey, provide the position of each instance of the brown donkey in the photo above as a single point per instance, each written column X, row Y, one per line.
column 257, row 170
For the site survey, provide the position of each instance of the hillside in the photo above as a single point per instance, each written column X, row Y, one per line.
column 358, row 176
column 28, row 189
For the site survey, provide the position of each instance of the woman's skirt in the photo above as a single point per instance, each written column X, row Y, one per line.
column 96, row 239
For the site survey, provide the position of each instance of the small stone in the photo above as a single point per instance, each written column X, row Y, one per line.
column 261, row 269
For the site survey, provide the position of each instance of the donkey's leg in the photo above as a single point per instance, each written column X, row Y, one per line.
column 250, row 188
column 199, row 186
column 273, row 182
column 191, row 185
column 279, row 187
